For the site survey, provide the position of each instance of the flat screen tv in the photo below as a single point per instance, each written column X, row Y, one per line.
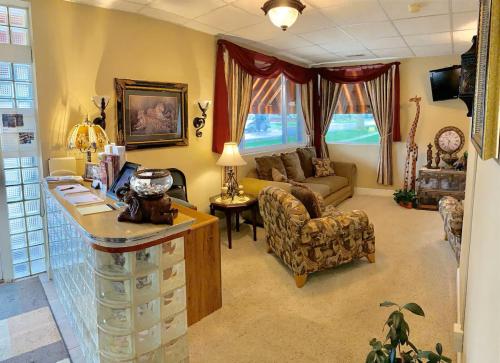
column 445, row 82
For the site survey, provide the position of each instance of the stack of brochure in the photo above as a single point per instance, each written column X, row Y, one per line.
column 78, row 195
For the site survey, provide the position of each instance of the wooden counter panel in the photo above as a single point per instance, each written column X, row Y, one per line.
column 203, row 265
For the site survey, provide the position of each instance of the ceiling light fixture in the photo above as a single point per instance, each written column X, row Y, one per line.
column 283, row 13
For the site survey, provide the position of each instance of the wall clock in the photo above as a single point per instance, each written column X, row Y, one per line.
column 449, row 141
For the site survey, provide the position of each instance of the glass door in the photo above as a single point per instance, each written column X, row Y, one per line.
column 22, row 246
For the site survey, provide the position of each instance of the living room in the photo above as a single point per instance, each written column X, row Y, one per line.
column 309, row 175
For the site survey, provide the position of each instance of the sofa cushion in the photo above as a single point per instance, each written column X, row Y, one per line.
column 321, row 189
column 265, row 165
column 323, row 167
column 306, row 154
column 334, row 182
column 278, row 176
column 293, row 166
column 309, row 199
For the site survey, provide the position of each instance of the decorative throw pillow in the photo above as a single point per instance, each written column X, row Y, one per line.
column 306, row 154
column 265, row 165
column 322, row 167
column 292, row 166
column 278, row 176
column 307, row 197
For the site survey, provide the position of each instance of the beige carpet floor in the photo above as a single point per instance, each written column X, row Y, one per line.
column 265, row 318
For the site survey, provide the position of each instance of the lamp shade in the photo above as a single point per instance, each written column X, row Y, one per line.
column 283, row 13
column 87, row 137
column 231, row 155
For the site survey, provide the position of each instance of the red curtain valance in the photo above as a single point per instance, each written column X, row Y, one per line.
column 365, row 73
column 265, row 66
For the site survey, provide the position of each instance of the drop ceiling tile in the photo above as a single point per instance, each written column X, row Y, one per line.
column 229, row 18
column 384, row 43
column 323, row 58
column 329, row 3
column 163, row 15
column 314, row 50
column 258, row 32
column 465, row 21
column 340, row 46
column 465, row 5
column 311, row 21
column 428, row 39
column 327, row 36
column 431, row 50
column 193, row 24
column 142, row 2
column 398, row 9
column 424, row 25
column 368, row 31
column 463, row 36
column 187, row 8
column 347, row 13
column 251, row 6
column 403, row 52
column 287, row 41
column 356, row 55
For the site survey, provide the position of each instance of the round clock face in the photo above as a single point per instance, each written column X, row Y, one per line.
column 450, row 141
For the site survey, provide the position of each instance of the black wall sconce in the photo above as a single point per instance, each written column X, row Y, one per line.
column 101, row 102
column 199, row 122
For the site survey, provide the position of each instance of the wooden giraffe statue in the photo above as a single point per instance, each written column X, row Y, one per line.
column 412, row 150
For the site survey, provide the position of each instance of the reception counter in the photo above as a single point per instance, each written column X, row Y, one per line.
column 123, row 285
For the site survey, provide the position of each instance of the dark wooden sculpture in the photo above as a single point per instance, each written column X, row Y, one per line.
column 145, row 210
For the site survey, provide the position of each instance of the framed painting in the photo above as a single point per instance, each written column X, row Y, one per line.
column 151, row 114
column 484, row 132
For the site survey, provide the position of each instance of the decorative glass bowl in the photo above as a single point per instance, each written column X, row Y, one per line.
column 151, row 183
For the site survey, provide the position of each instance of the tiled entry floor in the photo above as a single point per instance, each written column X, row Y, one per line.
column 28, row 332
column 62, row 320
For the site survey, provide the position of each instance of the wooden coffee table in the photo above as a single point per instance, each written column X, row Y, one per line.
column 235, row 207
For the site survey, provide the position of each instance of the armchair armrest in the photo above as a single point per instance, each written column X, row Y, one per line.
column 347, row 170
column 253, row 186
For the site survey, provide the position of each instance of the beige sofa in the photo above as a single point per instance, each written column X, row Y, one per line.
column 334, row 189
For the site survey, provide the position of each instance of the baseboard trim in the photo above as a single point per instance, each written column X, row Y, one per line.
column 374, row 192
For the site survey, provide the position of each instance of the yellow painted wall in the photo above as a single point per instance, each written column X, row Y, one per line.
column 433, row 116
column 79, row 50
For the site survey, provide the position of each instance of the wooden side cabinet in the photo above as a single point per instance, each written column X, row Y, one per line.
column 203, row 265
column 433, row 184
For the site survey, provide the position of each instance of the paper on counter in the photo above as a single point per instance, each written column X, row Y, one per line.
column 83, row 198
column 93, row 209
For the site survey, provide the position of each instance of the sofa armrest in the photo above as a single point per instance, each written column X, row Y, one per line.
column 253, row 186
column 347, row 170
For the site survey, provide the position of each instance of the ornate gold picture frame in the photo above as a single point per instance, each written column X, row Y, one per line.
column 484, row 132
column 151, row 114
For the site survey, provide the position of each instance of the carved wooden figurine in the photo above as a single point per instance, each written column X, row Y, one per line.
column 437, row 159
column 412, row 150
column 142, row 210
column 429, row 156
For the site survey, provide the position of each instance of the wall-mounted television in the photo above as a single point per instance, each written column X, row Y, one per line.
column 445, row 82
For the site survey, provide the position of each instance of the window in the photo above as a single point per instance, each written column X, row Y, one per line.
column 353, row 122
column 275, row 118
column 24, row 251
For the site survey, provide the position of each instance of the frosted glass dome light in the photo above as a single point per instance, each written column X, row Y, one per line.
column 283, row 13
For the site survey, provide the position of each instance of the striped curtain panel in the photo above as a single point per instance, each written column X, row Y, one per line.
column 329, row 96
column 380, row 95
column 239, row 89
column 306, row 98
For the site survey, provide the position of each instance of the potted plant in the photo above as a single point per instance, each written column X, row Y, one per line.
column 397, row 347
column 405, row 198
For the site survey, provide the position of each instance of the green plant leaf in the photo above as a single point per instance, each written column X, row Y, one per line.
column 446, row 359
column 439, row 348
column 388, row 303
column 414, row 308
column 371, row 357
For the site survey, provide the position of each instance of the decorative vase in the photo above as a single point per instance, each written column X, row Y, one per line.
column 407, row 205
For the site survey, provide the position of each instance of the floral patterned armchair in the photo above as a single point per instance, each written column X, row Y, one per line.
column 308, row 245
column 452, row 212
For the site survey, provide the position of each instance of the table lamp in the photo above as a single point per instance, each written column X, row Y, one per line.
column 231, row 159
column 87, row 138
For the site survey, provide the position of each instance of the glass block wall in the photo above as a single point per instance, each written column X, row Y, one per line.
column 19, row 148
